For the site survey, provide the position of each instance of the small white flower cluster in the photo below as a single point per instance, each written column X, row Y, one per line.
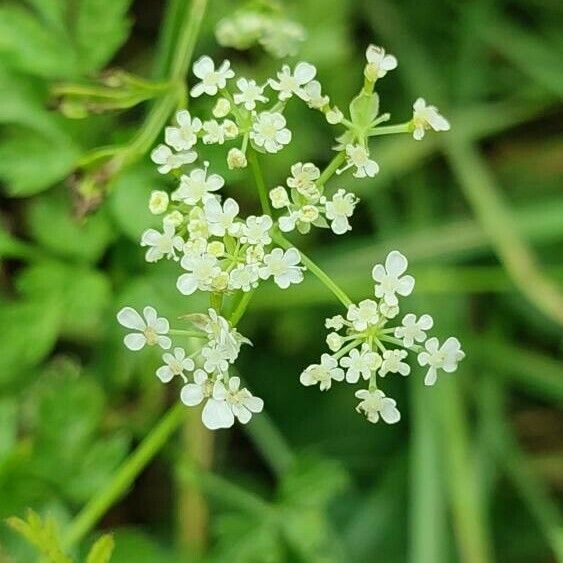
column 279, row 36
column 219, row 251
column 363, row 350
column 306, row 205
column 205, row 373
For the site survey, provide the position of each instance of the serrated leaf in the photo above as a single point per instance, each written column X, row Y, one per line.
column 51, row 223
column 29, row 332
column 101, row 28
column 364, row 109
column 102, row 550
column 31, row 163
column 42, row 534
column 84, row 294
column 28, row 44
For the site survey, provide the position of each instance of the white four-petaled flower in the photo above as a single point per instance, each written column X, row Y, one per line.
column 378, row 62
column 269, row 131
column 339, row 209
column 289, row 83
column 364, row 314
column 174, row 364
column 360, row 362
column 249, row 93
column 393, row 363
column 167, row 160
column 413, row 330
column 283, row 267
column 161, row 244
column 322, row 373
column 183, row 137
column 195, row 186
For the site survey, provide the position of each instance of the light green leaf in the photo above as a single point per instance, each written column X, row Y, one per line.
column 43, row 534
column 101, row 551
column 28, row 44
column 363, row 110
column 29, row 332
column 84, row 295
column 101, row 29
column 30, row 163
column 51, row 224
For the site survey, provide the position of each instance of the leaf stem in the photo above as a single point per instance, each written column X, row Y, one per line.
column 259, row 181
column 331, row 168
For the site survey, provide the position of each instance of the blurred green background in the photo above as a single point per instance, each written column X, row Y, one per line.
column 473, row 473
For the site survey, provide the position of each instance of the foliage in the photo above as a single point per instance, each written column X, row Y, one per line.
column 474, row 466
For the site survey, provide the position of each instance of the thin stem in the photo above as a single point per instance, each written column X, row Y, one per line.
column 240, row 309
column 321, row 275
column 389, row 129
column 259, row 181
column 189, row 333
column 331, row 168
column 125, row 476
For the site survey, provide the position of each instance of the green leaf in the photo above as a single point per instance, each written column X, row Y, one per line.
column 8, row 426
column 363, row 110
column 43, row 534
column 51, row 224
column 28, row 44
column 30, row 163
column 29, row 332
column 101, row 551
column 84, row 295
column 101, row 28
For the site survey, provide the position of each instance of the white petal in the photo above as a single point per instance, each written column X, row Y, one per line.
column 191, row 394
column 389, row 412
column 135, row 341
column 431, row 376
column 164, row 342
column 165, row 374
column 305, row 72
column 406, row 285
column 395, row 263
column 217, row 414
column 129, row 318
column 203, row 66
column 186, row 284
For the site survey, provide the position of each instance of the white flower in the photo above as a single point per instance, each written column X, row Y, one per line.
column 445, row 357
column 287, row 222
column 256, row 230
column 288, row 84
column 158, row 202
column 221, row 219
column 413, row 330
column 279, row 197
column 334, row 341
column 241, row 402
column 216, row 358
column 335, row 323
column 197, row 226
column 183, row 137
column 392, row 363
column 363, row 315
column 339, row 209
column 201, row 271
column 216, row 133
column 283, row 267
column 427, row 117
column 249, row 93
column 303, row 177
column 390, row 280
column 358, row 156
column 151, row 329
column 269, row 132
column 244, row 277
column 236, row 159
column 378, row 63
column 161, row 244
column 211, row 80
column 375, row 404
column 313, row 96
column 388, row 311
column 322, row 373
column 170, row 161
column 309, row 214
column 360, row 362
column 175, row 364
column 196, row 186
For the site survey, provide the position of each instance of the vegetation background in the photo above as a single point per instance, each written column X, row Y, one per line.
column 474, row 471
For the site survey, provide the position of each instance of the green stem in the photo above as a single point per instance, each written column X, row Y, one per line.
column 125, row 476
column 320, row 274
column 259, row 181
column 240, row 308
column 190, row 333
column 389, row 129
column 331, row 168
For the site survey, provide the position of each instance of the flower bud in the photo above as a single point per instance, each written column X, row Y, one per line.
column 236, row 159
column 230, row 128
column 222, row 108
column 308, row 213
column 334, row 341
column 334, row 116
column 279, row 197
column 216, row 248
column 158, row 202
column 174, row 218
column 220, row 282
